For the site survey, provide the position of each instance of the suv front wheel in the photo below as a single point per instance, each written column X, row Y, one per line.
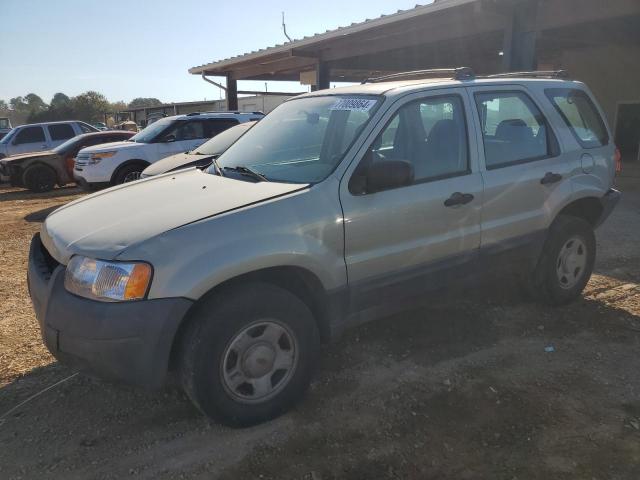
column 566, row 263
column 248, row 354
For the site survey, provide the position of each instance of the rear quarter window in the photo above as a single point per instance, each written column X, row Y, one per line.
column 581, row 116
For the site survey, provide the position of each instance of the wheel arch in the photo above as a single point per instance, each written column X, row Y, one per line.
column 133, row 161
column 37, row 164
column 297, row 280
column 588, row 208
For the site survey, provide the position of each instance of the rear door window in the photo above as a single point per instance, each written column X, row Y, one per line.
column 61, row 131
column 30, row 135
column 580, row 115
column 513, row 129
column 214, row 126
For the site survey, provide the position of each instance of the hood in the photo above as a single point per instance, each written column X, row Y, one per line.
column 104, row 224
column 105, row 147
column 169, row 163
column 26, row 156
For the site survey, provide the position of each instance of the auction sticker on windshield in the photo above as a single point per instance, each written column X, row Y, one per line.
column 354, row 104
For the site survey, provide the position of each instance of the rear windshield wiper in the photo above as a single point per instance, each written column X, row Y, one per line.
column 248, row 172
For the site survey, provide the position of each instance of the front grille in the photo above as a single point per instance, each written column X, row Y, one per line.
column 83, row 159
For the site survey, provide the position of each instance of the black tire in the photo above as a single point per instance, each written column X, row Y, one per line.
column 220, row 319
column 126, row 173
column 39, row 178
column 545, row 283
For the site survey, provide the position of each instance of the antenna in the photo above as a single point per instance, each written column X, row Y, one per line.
column 284, row 29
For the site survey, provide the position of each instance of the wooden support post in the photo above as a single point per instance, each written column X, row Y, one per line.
column 323, row 76
column 232, row 93
column 520, row 35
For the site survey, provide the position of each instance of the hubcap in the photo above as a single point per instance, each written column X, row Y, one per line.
column 259, row 361
column 130, row 177
column 572, row 262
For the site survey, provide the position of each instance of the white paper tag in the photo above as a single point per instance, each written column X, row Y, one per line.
column 354, row 104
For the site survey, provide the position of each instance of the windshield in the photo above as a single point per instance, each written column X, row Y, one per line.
column 221, row 142
column 7, row 138
column 4, row 123
column 303, row 140
column 152, row 131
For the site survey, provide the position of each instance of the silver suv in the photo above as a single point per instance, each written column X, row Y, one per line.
column 339, row 206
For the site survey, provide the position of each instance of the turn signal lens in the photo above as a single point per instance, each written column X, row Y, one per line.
column 139, row 280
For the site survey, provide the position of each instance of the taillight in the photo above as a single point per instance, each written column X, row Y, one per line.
column 617, row 158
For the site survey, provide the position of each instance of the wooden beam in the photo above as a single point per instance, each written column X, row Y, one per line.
column 232, row 93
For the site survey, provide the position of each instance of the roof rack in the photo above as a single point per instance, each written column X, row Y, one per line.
column 461, row 73
column 533, row 74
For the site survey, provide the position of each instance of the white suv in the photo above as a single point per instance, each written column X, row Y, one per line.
column 119, row 162
column 41, row 136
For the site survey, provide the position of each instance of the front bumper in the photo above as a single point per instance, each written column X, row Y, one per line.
column 128, row 341
column 608, row 202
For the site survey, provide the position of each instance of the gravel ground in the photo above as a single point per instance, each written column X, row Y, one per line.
column 463, row 389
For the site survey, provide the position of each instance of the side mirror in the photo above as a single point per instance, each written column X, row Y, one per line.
column 387, row 174
column 169, row 139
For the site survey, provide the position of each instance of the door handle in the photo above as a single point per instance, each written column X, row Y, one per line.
column 458, row 199
column 550, row 178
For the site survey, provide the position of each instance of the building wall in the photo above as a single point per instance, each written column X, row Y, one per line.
column 611, row 72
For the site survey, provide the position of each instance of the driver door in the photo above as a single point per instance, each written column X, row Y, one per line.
column 402, row 241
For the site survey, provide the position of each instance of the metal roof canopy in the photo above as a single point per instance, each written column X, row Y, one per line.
column 446, row 33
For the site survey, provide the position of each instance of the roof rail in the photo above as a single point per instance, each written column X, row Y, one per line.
column 460, row 73
column 533, row 74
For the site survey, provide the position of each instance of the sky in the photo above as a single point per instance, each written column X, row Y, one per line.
column 143, row 48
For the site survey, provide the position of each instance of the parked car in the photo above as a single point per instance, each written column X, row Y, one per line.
column 42, row 171
column 114, row 164
column 338, row 207
column 101, row 126
column 127, row 125
column 5, row 126
column 36, row 137
column 202, row 156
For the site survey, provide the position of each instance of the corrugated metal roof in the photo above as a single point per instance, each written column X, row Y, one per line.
column 332, row 34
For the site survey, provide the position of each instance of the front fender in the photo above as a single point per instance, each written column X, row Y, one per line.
column 303, row 231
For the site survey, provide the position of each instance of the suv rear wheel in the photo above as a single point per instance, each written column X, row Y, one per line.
column 39, row 178
column 566, row 263
column 249, row 354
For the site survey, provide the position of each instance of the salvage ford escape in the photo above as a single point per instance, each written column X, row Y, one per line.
column 339, row 206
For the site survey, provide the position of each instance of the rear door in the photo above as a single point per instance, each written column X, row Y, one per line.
column 28, row 139
column 523, row 168
column 60, row 133
column 403, row 241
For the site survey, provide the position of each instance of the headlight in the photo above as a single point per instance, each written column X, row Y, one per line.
column 107, row 281
column 96, row 157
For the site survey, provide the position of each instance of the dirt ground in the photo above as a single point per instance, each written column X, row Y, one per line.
column 463, row 389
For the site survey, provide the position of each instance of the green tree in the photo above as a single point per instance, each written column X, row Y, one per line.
column 35, row 103
column 60, row 100
column 90, row 106
column 144, row 102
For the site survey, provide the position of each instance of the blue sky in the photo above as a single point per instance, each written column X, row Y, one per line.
column 143, row 48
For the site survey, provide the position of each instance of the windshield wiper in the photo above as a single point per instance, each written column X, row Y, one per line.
column 250, row 173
